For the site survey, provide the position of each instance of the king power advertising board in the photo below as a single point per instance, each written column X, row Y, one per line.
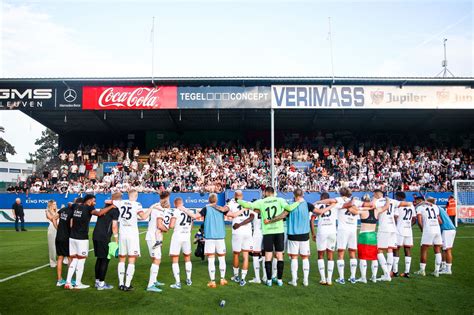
column 373, row 97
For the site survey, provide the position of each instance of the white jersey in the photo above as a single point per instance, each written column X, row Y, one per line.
column 257, row 223
column 404, row 220
column 244, row 229
column 346, row 220
column 327, row 220
column 183, row 224
column 152, row 225
column 386, row 219
column 429, row 214
column 128, row 219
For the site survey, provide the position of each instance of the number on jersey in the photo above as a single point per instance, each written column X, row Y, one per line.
column 185, row 219
column 126, row 213
column 271, row 212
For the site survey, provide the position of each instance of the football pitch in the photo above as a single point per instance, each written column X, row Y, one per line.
column 35, row 292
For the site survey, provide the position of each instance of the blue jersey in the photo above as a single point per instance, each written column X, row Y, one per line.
column 214, row 224
column 447, row 223
column 298, row 219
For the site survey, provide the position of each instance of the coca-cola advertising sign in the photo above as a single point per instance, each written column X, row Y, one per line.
column 129, row 97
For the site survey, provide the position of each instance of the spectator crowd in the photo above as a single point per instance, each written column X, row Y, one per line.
column 196, row 168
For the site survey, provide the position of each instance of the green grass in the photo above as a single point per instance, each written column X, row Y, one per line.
column 36, row 292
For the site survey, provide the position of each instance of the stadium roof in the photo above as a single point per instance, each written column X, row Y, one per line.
column 248, row 81
column 64, row 122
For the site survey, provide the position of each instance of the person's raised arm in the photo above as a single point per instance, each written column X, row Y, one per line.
column 246, row 221
column 190, row 213
column 326, row 201
column 279, row 217
column 385, row 207
column 249, row 205
column 144, row 214
column 231, row 214
column 103, row 211
column 321, row 211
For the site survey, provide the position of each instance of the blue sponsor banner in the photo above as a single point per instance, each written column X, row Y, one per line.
column 224, row 97
column 107, row 166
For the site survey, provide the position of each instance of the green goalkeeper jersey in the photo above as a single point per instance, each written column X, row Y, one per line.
column 269, row 207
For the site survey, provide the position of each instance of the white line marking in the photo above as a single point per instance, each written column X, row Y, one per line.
column 37, row 268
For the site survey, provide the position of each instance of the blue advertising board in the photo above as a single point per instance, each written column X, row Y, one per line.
column 224, row 97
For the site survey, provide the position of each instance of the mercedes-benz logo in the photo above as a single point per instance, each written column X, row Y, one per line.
column 70, row 95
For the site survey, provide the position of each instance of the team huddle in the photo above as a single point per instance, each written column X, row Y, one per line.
column 262, row 229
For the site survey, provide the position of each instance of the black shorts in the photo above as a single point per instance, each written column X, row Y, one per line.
column 274, row 242
column 101, row 249
column 62, row 247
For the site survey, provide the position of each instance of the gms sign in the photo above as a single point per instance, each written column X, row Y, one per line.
column 379, row 97
column 41, row 98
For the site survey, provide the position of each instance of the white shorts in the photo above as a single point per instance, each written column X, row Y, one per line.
column 404, row 241
column 180, row 245
column 242, row 242
column 154, row 253
column 298, row 248
column 386, row 240
column 428, row 238
column 257, row 240
column 448, row 238
column 326, row 242
column 214, row 247
column 129, row 245
column 78, row 247
column 346, row 239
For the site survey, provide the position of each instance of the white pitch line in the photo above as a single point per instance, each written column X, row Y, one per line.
column 37, row 268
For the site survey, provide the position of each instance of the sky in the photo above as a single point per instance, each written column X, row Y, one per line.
column 105, row 38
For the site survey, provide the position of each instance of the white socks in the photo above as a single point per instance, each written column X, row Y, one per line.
column 375, row 268
column 448, row 268
column 395, row 264
column 175, row 268
column 438, row 259
column 422, row 266
column 211, row 268
column 353, row 266
column 407, row 264
column 256, row 267
column 80, row 270
column 322, row 271
column 121, row 272
column 340, row 268
column 389, row 262
column 363, row 268
column 383, row 263
column 294, row 270
column 153, row 274
column 244, row 274
column 222, row 266
column 305, row 270
column 130, row 273
column 236, row 271
column 330, row 270
column 188, row 266
column 71, row 270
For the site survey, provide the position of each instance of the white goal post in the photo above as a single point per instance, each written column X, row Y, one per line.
column 464, row 196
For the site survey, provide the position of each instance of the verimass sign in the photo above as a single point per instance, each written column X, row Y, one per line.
column 129, row 97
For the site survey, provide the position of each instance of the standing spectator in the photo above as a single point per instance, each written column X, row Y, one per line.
column 79, row 155
column 136, row 153
column 52, row 216
column 63, row 157
column 19, row 215
column 451, row 209
column 71, row 157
